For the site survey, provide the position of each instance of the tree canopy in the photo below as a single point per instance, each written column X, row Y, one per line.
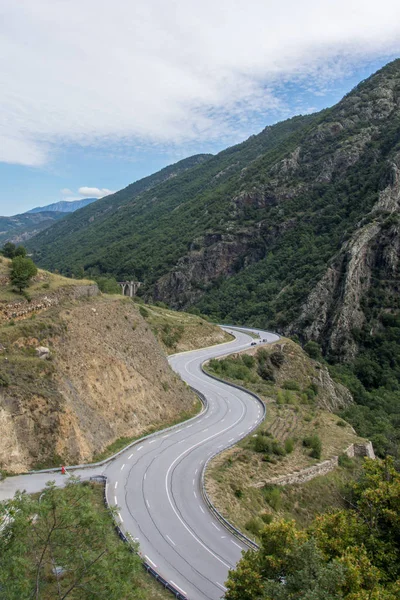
column 351, row 554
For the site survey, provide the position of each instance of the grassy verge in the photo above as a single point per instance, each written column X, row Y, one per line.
column 179, row 332
column 122, row 442
column 44, row 283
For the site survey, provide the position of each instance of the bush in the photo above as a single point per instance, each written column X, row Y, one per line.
column 267, row 518
column 277, row 449
column 254, row 525
column 238, row 493
column 313, row 350
column 341, row 423
column 277, row 358
column 262, row 444
column 314, row 443
column 4, row 381
column 22, row 271
column 291, row 385
column 346, row 462
column 272, row 495
column 266, row 372
column 289, row 445
column 248, row 361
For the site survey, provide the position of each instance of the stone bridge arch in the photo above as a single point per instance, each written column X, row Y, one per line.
column 129, row 288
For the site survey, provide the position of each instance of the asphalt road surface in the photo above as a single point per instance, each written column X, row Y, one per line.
column 156, row 484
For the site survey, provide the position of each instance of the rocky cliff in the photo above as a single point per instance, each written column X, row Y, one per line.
column 104, row 377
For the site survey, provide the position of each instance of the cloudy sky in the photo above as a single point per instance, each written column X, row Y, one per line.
column 98, row 93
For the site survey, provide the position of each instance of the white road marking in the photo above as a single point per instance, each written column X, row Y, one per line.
column 152, row 441
column 181, row 442
column 193, row 481
column 169, row 495
column 165, row 436
column 116, row 485
column 196, row 471
column 189, row 426
column 223, row 537
column 221, row 446
column 204, row 430
column 130, row 456
column 222, row 420
column 115, row 499
column 221, row 586
column 214, row 525
column 120, row 518
column 231, row 440
column 240, row 547
column 140, row 447
column 195, row 495
column 144, row 476
column 241, row 433
column 150, row 561
column 172, row 542
column 122, row 466
column 178, row 588
column 148, row 503
column 201, row 508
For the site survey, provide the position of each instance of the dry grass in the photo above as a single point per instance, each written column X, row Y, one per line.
column 42, row 284
column 178, row 332
column 290, row 415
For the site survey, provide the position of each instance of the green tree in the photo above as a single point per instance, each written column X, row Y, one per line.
column 20, row 251
column 8, row 250
column 22, row 271
column 57, row 546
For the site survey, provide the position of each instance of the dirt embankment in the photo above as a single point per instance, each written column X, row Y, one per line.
column 106, row 377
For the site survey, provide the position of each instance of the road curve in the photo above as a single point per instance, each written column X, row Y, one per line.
column 156, row 484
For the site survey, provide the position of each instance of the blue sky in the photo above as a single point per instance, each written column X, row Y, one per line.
column 123, row 89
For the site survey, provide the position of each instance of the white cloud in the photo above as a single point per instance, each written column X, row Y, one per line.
column 66, row 192
column 94, row 192
column 156, row 72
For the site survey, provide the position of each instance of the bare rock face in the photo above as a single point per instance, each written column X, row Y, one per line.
column 43, row 352
column 334, row 309
column 211, row 257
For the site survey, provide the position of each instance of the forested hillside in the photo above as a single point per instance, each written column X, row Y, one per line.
column 297, row 229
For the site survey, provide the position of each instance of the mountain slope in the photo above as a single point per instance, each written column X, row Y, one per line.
column 247, row 235
column 63, row 206
column 20, row 228
column 152, row 229
column 89, row 232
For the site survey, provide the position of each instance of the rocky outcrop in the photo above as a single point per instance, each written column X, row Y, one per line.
column 211, row 257
column 334, row 308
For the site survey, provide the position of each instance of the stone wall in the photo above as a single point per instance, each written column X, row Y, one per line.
column 322, row 468
column 22, row 308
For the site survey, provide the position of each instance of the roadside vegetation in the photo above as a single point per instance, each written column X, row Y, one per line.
column 180, row 331
column 296, row 433
column 62, row 544
column 352, row 553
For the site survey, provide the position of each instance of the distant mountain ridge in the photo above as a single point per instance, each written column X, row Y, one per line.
column 64, row 206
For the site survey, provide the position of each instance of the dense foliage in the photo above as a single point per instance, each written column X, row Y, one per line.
column 59, row 546
column 351, row 554
column 22, row 271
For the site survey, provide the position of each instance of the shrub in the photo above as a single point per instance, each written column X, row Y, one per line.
column 238, row 493
column 314, row 443
column 248, row 361
column 291, row 385
column 272, row 495
column 313, row 350
column 266, row 372
column 341, row 423
column 277, row 358
column 345, row 461
column 267, row 518
column 254, row 525
column 4, row 381
column 262, row 443
column 277, row 449
column 289, row 445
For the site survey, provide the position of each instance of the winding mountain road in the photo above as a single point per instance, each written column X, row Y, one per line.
column 157, row 483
